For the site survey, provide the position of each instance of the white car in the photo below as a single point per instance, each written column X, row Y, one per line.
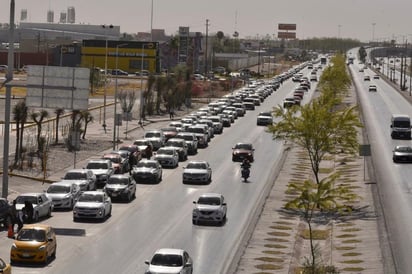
column 373, row 88
column 210, row 207
column 42, row 205
column 167, row 157
column 197, row 172
column 63, row 194
column 264, row 118
column 93, row 205
column 171, row 261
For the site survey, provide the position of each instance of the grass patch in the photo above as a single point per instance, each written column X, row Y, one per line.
column 325, row 170
column 275, row 246
column 281, row 227
column 346, row 236
column 273, row 252
column 345, row 224
column 328, row 157
column 316, row 234
column 353, row 229
column 351, row 254
column 352, row 241
column 268, row 267
column 279, row 233
column 352, row 262
column 270, row 260
column 280, row 240
column 353, row 269
column 283, row 223
column 345, row 248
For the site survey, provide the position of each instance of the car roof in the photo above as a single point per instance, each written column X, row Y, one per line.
column 197, row 161
column 94, row 192
column 63, row 183
column 126, row 175
column 147, row 161
column 34, row 194
column 218, row 195
column 82, row 170
column 37, row 226
column 174, row 251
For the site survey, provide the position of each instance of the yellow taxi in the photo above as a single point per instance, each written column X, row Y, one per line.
column 4, row 268
column 35, row 243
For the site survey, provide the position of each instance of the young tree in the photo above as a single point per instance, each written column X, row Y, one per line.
column 38, row 118
column 59, row 112
column 20, row 111
column 87, row 118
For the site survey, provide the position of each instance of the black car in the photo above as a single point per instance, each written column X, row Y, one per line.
column 402, row 154
column 5, row 212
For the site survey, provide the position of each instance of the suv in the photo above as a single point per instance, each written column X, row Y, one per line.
column 147, row 170
column 201, row 135
column 84, row 178
column 191, row 141
column 103, row 169
column 217, row 123
column 63, row 194
column 93, row 204
column 156, row 137
column 121, row 186
column 241, row 151
column 42, row 205
column 180, row 146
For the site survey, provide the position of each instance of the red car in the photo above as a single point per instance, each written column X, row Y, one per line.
column 118, row 162
column 135, row 153
column 241, row 151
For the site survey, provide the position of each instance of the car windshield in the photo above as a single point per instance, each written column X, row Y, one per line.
column 75, row 176
column 22, row 199
column 118, row 181
column 86, row 197
column 167, row 260
column 146, row 164
column 30, row 234
column 401, row 124
column 152, row 134
column 186, row 137
column 169, row 129
column 209, row 201
column 116, row 160
column 165, row 151
column 140, row 143
column 196, row 130
column 58, row 189
column 196, row 166
column 96, row 166
column 243, row 146
column 174, row 144
column 265, row 114
column 404, row 149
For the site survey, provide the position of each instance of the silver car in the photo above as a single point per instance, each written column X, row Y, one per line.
column 63, row 194
column 264, row 118
column 210, row 207
column 167, row 157
column 171, row 261
column 93, row 205
column 42, row 205
column 197, row 172
column 147, row 171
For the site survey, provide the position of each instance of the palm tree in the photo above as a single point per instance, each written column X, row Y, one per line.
column 58, row 112
column 20, row 116
column 38, row 118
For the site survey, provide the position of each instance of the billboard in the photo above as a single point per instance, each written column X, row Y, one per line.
column 183, row 44
column 286, row 35
column 286, row 26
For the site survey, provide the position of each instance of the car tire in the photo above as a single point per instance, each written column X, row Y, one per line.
column 75, row 219
column 49, row 213
column 194, row 222
column 36, row 217
column 134, row 194
column 104, row 217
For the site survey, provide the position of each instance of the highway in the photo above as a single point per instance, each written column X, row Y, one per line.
column 160, row 216
column 393, row 180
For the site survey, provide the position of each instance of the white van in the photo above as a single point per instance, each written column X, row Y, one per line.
column 400, row 126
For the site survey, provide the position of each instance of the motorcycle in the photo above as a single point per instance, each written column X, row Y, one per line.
column 245, row 171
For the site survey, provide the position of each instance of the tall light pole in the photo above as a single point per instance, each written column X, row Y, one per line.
column 7, row 104
column 373, row 32
column 115, row 121
column 141, row 88
column 105, row 74
column 151, row 23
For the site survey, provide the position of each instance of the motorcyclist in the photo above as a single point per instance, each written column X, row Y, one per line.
column 245, row 163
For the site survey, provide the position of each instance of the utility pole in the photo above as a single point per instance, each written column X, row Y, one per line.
column 207, row 33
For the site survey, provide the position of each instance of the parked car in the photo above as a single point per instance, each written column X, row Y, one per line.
column 209, row 207
column 241, row 151
column 156, row 137
column 147, row 171
column 92, row 205
column 145, row 146
column 120, row 164
column 118, row 72
column 121, row 186
column 402, row 153
column 5, row 268
column 84, row 178
column 264, row 118
column 180, row 146
column 135, row 154
column 102, row 168
column 170, row 260
column 197, row 172
column 34, row 243
column 169, row 132
column 167, row 157
column 63, row 194
column 5, row 212
column 42, row 205
column 191, row 141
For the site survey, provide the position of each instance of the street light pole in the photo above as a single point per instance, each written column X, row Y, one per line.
column 141, row 88
column 105, row 74
column 115, row 121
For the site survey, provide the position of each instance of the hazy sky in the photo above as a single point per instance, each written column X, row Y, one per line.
column 359, row 19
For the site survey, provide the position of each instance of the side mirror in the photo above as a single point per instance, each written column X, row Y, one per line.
column 147, row 262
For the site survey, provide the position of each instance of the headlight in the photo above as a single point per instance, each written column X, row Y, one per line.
column 42, row 248
column 13, row 247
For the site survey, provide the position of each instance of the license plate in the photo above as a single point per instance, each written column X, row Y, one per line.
column 25, row 255
column 114, row 194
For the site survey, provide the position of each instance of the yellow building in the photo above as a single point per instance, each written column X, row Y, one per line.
column 129, row 56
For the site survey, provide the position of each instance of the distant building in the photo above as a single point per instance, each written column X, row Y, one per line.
column 71, row 15
column 50, row 16
column 23, row 15
column 63, row 17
